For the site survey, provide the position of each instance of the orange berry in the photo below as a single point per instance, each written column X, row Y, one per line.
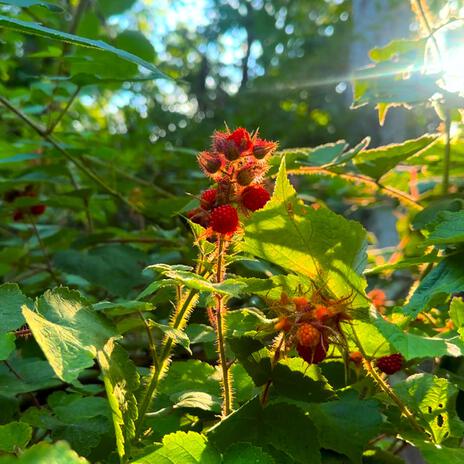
column 322, row 313
column 356, row 357
column 283, row 324
column 308, row 335
column 378, row 297
column 301, row 303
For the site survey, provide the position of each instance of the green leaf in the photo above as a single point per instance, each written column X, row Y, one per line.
column 315, row 243
column 196, row 400
column 433, row 400
column 280, row 427
column 7, row 345
column 333, row 419
column 36, row 374
column 415, row 47
column 112, row 7
column 246, row 322
column 435, row 288
column 430, row 213
column 457, row 315
column 14, row 436
column 378, row 161
column 434, row 454
column 115, row 267
column 121, row 381
column 448, row 229
column 230, row 287
column 68, row 332
column 183, row 448
column 29, row 3
column 56, row 453
column 177, row 335
column 42, row 31
column 190, row 375
column 411, row 345
column 11, row 301
column 245, row 453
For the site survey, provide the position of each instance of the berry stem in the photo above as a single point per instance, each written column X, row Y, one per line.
column 372, row 371
column 221, row 310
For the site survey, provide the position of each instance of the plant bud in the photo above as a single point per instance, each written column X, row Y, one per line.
column 210, row 162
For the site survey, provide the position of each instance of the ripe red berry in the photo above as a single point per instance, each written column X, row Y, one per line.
column 37, row 210
column 390, row 364
column 254, row 197
column 313, row 355
column 234, row 144
column 308, row 335
column 224, row 219
column 208, row 198
column 18, row 215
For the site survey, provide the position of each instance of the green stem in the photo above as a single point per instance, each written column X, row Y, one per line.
column 157, row 373
column 447, row 158
column 221, row 310
column 370, row 369
column 63, row 111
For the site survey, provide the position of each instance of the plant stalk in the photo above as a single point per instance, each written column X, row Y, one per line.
column 221, row 310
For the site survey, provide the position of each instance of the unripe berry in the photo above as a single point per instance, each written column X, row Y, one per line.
column 308, row 335
column 356, row 357
column 210, row 162
column 390, row 364
column 301, row 303
column 224, row 219
column 245, row 176
column 262, row 148
column 208, row 199
column 234, row 144
column 254, row 197
column 322, row 313
column 377, row 297
column 283, row 324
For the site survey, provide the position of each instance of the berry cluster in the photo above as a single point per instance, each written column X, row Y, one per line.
column 237, row 163
column 19, row 213
column 312, row 324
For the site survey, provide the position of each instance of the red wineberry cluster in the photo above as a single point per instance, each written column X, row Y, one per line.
column 312, row 324
column 19, row 213
column 390, row 364
column 236, row 162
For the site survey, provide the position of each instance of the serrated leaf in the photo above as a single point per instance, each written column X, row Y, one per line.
column 121, row 381
column 448, row 229
column 230, row 287
column 42, row 31
column 178, row 336
column 412, row 346
column 183, row 448
column 245, row 453
column 282, row 427
column 56, row 453
column 378, row 161
column 315, row 243
column 14, row 436
column 68, row 332
column 333, row 419
column 435, row 288
column 433, row 400
column 11, row 301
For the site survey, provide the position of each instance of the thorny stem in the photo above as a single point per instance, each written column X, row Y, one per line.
column 221, row 310
column 372, row 371
column 182, row 311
